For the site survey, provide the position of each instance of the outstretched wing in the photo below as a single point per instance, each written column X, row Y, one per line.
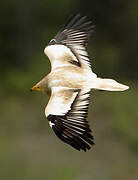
column 69, row 45
column 67, row 112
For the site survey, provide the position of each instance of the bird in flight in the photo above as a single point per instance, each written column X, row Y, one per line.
column 69, row 83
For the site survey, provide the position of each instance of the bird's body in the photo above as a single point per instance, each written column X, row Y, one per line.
column 70, row 77
column 69, row 83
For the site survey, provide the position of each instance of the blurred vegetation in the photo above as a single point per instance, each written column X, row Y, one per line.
column 29, row 150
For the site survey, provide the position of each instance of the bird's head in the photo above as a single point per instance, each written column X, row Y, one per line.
column 36, row 88
column 40, row 86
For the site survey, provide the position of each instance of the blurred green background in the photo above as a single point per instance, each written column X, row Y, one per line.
column 29, row 150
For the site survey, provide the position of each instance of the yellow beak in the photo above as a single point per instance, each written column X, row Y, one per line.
column 35, row 88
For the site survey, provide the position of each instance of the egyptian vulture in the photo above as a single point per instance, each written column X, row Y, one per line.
column 69, row 83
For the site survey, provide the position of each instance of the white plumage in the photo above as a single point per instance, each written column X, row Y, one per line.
column 69, row 83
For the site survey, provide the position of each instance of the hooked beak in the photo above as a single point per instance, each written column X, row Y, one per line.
column 35, row 88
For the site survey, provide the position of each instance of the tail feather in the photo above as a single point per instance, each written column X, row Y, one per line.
column 109, row 85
